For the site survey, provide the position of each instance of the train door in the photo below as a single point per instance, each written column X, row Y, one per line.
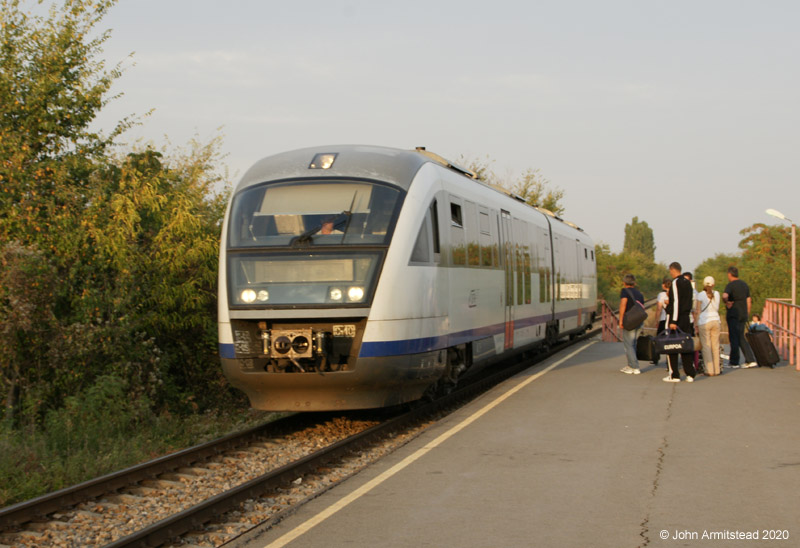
column 508, row 267
column 551, row 252
column 580, row 251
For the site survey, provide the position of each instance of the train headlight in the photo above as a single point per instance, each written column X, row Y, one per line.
column 263, row 295
column 323, row 161
column 248, row 296
column 335, row 294
column 355, row 293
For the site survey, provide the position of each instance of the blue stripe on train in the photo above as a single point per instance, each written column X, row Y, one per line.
column 427, row 344
column 227, row 351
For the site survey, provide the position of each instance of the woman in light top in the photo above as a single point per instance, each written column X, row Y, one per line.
column 661, row 306
column 707, row 314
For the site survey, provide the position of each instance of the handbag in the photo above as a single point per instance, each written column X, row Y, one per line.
column 674, row 341
column 635, row 317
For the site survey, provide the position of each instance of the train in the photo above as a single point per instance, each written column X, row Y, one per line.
column 359, row 277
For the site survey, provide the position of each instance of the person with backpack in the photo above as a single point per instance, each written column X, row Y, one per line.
column 629, row 298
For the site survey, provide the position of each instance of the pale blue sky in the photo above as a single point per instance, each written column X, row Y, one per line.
column 684, row 114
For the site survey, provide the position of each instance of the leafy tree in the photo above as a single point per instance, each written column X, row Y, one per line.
column 154, row 227
column 766, row 262
column 717, row 268
column 534, row 188
column 639, row 239
column 611, row 267
column 531, row 186
column 112, row 267
column 52, row 86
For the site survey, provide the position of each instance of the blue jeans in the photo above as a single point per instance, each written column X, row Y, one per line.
column 629, row 343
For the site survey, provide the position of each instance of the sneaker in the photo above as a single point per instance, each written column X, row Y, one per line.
column 689, row 379
column 636, row 371
column 628, row 370
column 749, row 365
column 670, row 379
column 732, row 365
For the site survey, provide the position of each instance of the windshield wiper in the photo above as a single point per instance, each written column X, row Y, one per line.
column 307, row 236
column 334, row 221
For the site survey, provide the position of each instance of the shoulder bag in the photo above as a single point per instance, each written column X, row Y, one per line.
column 635, row 317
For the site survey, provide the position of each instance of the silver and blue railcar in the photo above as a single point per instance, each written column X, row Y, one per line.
column 360, row 277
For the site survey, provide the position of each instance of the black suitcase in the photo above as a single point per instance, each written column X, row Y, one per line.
column 764, row 350
column 646, row 349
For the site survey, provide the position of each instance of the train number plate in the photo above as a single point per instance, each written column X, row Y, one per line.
column 344, row 331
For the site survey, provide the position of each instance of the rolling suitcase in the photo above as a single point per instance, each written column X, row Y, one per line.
column 646, row 349
column 764, row 350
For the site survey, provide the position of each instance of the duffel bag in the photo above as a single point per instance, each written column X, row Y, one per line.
column 674, row 341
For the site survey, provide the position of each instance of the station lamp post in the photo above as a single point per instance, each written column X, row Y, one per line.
column 783, row 217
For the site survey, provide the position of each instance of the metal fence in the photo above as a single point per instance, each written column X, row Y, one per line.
column 784, row 320
column 611, row 330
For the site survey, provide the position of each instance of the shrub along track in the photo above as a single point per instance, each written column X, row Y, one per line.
column 215, row 492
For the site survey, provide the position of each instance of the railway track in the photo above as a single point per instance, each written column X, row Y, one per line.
column 152, row 480
column 96, row 505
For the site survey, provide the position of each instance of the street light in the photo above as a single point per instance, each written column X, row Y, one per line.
column 783, row 217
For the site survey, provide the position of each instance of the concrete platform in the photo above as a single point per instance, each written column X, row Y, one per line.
column 575, row 453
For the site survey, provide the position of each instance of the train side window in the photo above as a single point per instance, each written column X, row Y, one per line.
column 458, row 248
column 422, row 250
column 455, row 215
column 487, row 247
column 435, row 227
column 559, row 282
column 484, row 221
column 526, row 274
column 542, row 285
column 473, row 245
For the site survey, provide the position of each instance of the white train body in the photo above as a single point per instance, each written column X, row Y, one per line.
column 364, row 282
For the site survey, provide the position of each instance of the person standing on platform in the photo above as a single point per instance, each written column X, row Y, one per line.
column 661, row 309
column 707, row 312
column 661, row 305
column 695, row 331
column 679, row 310
column 627, row 300
column 738, row 302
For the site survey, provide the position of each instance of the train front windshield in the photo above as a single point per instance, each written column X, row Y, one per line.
column 309, row 243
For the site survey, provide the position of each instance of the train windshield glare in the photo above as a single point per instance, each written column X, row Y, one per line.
column 314, row 213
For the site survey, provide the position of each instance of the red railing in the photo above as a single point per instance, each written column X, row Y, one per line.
column 784, row 320
column 610, row 320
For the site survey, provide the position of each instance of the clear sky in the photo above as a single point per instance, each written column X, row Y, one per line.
column 682, row 113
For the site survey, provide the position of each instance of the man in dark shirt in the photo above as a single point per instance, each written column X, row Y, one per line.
column 679, row 310
column 737, row 300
